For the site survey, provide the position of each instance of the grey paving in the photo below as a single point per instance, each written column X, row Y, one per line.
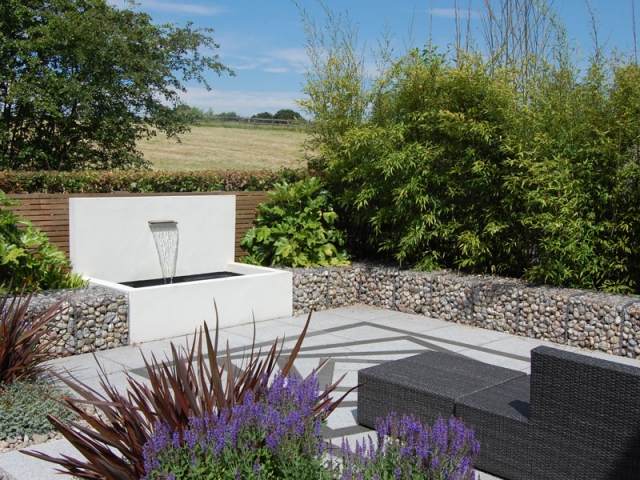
column 352, row 338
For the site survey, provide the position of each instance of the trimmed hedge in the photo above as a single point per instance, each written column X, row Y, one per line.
column 95, row 181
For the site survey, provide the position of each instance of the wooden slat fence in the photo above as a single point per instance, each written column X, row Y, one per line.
column 50, row 212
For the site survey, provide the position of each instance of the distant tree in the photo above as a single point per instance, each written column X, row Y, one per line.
column 191, row 114
column 266, row 115
column 287, row 114
column 230, row 114
column 81, row 81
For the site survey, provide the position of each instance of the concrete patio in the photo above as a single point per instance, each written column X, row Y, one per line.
column 354, row 338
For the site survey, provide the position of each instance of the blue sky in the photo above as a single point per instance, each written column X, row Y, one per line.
column 263, row 40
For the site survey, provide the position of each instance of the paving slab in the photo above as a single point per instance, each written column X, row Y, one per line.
column 351, row 338
column 23, row 467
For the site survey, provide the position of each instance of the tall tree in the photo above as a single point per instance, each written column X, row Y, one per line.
column 287, row 114
column 81, row 81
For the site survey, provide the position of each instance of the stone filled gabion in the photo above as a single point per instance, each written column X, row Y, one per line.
column 586, row 319
column 96, row 318
column 88, row 320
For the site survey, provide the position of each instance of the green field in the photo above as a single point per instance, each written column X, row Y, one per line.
column 227, row 148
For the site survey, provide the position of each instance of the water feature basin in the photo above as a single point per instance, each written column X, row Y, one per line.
column 112, row 246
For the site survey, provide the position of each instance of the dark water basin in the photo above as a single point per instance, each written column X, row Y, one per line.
column 154, row 282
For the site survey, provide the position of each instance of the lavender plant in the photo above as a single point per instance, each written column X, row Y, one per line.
column 276, row 436
column 407, row 450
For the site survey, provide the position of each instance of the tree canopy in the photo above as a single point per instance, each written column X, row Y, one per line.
column 265, row 115
column 287, row 114
column 81, row 81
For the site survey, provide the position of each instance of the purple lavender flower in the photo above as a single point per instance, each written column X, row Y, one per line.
column 190, row 438
column 406, row 447
column 280, row 418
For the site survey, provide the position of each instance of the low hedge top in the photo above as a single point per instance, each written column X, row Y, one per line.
column 100, row 181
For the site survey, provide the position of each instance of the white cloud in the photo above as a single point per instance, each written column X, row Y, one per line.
column 195, row 8
column 244, row 66
column 451, row 13
column 291, row 55
column 284, row 60
column 242, row 102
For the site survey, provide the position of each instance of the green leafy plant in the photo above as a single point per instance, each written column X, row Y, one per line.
column 517, row 163
column 27, row 258
column 98, row 181
column 24, row 406
column 298, row 227
column 190, row 384
column 23, row 343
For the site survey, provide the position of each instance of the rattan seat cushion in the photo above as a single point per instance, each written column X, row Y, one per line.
column 425, row 385
column 499, row 416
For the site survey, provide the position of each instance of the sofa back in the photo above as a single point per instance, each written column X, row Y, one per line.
column 587, row 409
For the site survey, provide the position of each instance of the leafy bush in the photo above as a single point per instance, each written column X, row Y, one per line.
column 296, row 228
column 27, row 258
column 275, row 437
column 421, row 180
column 95, row 181
column 190, row 384
column 23, row 347
column 24, row 406
column 525, row 166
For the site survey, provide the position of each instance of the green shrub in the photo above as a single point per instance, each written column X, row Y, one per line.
column 296, row 228
column 24, row 406
column 420, row 181
column 97, row 181
column 522, row 169
column 27, row 257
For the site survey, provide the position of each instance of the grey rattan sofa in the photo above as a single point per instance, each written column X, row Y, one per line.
column 574, row 417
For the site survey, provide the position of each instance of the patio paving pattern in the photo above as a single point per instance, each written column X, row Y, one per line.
column 352, row 338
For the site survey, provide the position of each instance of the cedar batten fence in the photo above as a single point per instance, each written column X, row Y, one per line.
column 50, row 212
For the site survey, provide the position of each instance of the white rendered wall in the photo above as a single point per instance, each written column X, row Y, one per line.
column 168, row 311
column 110, row 239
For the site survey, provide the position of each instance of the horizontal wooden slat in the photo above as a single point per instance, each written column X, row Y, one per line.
column 47, row 219
column 50, row 211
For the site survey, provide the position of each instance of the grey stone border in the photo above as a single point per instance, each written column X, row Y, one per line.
column 96, row 318
column 88, row 320
column 581, row 318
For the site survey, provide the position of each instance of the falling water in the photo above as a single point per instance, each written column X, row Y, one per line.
column 165, row 234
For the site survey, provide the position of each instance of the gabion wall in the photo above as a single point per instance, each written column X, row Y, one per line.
column 88, row 320
column 586, row 319
column 96, row 318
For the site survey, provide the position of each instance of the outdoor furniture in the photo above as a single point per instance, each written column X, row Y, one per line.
column 427, row 385
column 575, row 417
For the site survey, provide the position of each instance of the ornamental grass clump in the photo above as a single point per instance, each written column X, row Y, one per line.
column 189, row 384
column 406, row 449
column 276, row 436
column 24, row 344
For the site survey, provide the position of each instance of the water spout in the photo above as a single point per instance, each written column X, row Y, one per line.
column 165, row 235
